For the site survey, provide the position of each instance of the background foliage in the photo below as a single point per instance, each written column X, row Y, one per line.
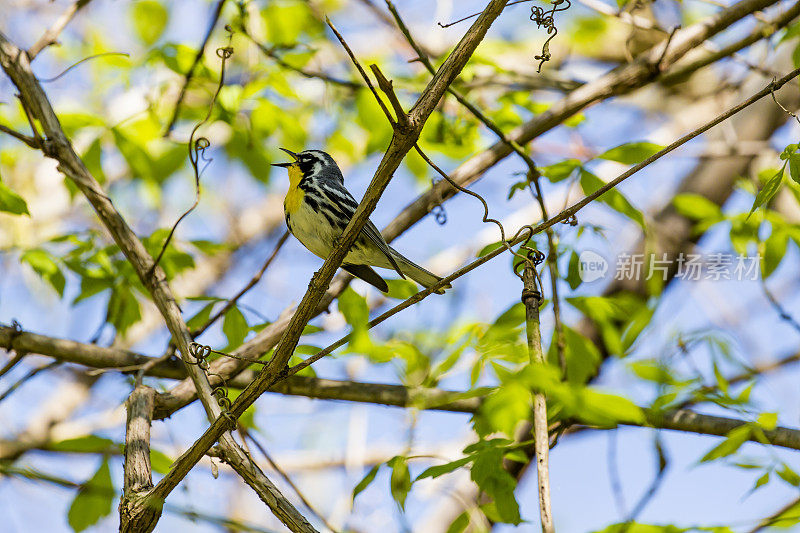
column 632, row 351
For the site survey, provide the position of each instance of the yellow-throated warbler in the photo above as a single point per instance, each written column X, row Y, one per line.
column 318, row 208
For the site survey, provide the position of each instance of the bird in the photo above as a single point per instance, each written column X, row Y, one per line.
column 318, row 208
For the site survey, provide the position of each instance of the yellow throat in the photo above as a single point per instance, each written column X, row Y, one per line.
column 294, row 196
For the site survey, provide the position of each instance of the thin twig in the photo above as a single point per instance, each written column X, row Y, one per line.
column 197, row 150
column 51, row 35
column 31, row 374
column 476, row 14
column 14, row 361
column 272, row 53
column 198, row 56
column 246, row 433
column 661, row 469
column 30, row 141
column 78, row 63
column 531, row 298
column 250, row 284
column 785, row 316
column 361, row 71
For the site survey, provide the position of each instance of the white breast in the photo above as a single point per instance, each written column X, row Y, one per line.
column 312, row 230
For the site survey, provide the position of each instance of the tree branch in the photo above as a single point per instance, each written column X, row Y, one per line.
column 468, row 172
column 16, row 64
column 531, row 298
column 402, row 142
column 138, row 472
column 618, row 81
column 51, row 35
column 197, row 58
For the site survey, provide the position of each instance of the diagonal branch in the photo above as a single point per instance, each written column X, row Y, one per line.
column 51, row 35
column 618, row 81
column 16, row 64
column 402, row 141
column 138, row 471
column 187, row 78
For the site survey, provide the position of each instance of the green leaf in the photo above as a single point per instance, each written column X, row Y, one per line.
column 201, row 317
column 400, row 481
column 159, row 461
column 774, row 251
column 583, row 357
column 139, row 161
column 590, row 183
column 11, row 202
column 736, row 437
column 631, row 153
column 123, row 308
column 613, row 408
column 440, row 470
column 794, row 167
column 761, row 481
column 489, row 248
column 149, row 20
column 93, row 500
column 460, row 524
column 46, row 267
column 767, row 421
column 488, row 473
column 697, row 207
column 789, row 476
column 573, row 271
column 366, row 480
column 92, row 158
column 86, row 444
column 354, row 308
column 768, row 191
column 561, row 170
column 401, row 288
column 507, row 407
column 234, row 327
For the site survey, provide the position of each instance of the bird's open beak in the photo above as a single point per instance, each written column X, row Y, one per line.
column 294, row 156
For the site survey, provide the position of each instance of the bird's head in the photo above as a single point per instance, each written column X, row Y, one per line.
column 312, row 163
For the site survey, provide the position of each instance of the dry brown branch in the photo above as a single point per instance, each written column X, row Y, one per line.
column 187, row 78
column 617, row 82
column 684, row 69
column 138, row 472
column 16, row 64
column 531, row 297
column 50, row 37
column 402, row 142
column 384, row 394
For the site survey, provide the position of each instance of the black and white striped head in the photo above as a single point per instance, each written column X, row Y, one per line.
column 314, row 163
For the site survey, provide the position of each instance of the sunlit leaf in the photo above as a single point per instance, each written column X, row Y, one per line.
column 631, row 153
column 93, row 500
column 11, row 202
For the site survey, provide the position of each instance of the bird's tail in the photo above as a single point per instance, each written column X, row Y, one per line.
column 422, row 276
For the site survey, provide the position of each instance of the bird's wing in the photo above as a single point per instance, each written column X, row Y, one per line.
column 375, row 236
column 367, row 274
column 347, row 204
